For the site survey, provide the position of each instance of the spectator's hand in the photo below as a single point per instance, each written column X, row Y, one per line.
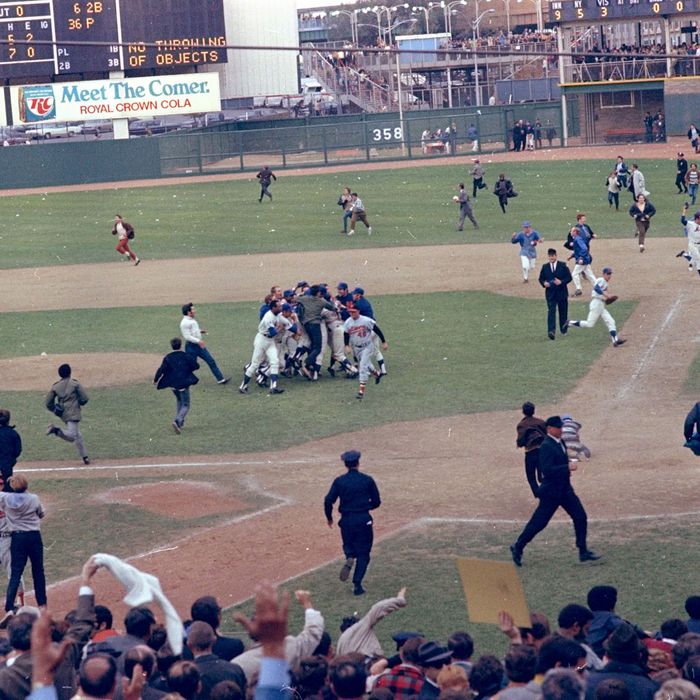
column 378, row 667
column 270, row 623
column 557, row 282
column 304, row 599
column 89, row 570
column 385, row 346
column 133, row 687
column 401, row 593
column 46, row 656
column 507, row 626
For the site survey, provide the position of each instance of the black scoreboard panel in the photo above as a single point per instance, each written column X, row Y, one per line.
column 36, row 36
column 593, row 10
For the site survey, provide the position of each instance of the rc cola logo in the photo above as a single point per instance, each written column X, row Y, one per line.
column 36, row 103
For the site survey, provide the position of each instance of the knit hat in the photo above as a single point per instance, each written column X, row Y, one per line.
column 623, row 644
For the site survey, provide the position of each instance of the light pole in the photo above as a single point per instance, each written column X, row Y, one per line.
column 507, row 4
column 448, row 13
column 475, row 35
column 353, row 23
column 390, row 24
column 426, row 11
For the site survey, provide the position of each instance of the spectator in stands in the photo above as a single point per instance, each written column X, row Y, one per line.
column 486, row 677
column 574, row 622
column 207, row 609
column 360, row 637
column 145, row 659
column 406, row 679
column 562, row 684
column 183, row 678
column 678, row 689
column 462, row 647
column 602, row 601
column 432, row 657
column 452, row 677
column 692, row 607
column 103, row 624
column 688, row 645
column 624, row 662
column 296, row 647
column 138, row 624
column 310, row 677
column 521, row 664
column 212, row 669
column 612, row 689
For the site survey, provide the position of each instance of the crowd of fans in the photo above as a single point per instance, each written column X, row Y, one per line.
column 591, row 654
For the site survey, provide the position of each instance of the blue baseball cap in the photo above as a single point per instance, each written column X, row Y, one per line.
column 287, row 307
column 288, row 293
column 342, row 285
column 526, row 224
column 607, row 270
column 358, row 290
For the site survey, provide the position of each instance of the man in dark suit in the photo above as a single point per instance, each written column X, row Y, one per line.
column 176, row 372
column 554, row 276
column 555, row 491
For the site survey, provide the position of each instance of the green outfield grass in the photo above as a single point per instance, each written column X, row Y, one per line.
column 406, row 207
column 450, row 353
column 653, row 581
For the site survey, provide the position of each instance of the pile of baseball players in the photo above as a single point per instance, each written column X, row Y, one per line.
column 299, row 326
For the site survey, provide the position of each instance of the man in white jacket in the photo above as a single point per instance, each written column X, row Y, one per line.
column 295, row 647
column 360, row 637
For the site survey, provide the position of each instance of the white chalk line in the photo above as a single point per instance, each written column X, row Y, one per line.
column 652, row 346
column 165, row 465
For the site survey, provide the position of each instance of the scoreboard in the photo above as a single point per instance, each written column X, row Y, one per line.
column 42, row 37
column 593, row 10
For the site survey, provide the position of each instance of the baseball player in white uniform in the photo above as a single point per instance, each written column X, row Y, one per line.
column 358, row 336
column 596, row 308
column 272, row 324
column 692, row 229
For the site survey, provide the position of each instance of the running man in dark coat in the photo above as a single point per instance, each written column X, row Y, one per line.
column 358, row 495
column 555, row 491
column 176, row 372
column 554, row 277
column 265, row 176
column 10, row 447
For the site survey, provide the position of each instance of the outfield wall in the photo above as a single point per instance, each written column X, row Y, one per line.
column 244, row 146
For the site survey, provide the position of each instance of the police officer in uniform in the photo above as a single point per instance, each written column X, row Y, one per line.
column 555, row 491
column 358, row 495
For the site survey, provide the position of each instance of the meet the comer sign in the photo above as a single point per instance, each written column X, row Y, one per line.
column 117, row 98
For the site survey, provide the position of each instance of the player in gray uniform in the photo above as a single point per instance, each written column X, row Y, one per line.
column 358, row 336
column 271, row 325
column 465, row 208
column 596, row 308
column 5, row 545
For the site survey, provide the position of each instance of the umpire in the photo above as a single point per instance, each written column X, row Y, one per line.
column 555, row 491
column 358, row 495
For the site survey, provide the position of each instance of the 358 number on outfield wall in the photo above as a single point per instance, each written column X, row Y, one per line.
column 387, row 134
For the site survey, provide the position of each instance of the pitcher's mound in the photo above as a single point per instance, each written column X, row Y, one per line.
column 94, row 369
column 177, row 499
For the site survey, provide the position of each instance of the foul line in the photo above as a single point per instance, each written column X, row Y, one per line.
column 652, row 346
column 163, row 465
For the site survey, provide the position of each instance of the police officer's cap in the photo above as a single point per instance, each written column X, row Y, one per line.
column 402, row 637
column 351, row 457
